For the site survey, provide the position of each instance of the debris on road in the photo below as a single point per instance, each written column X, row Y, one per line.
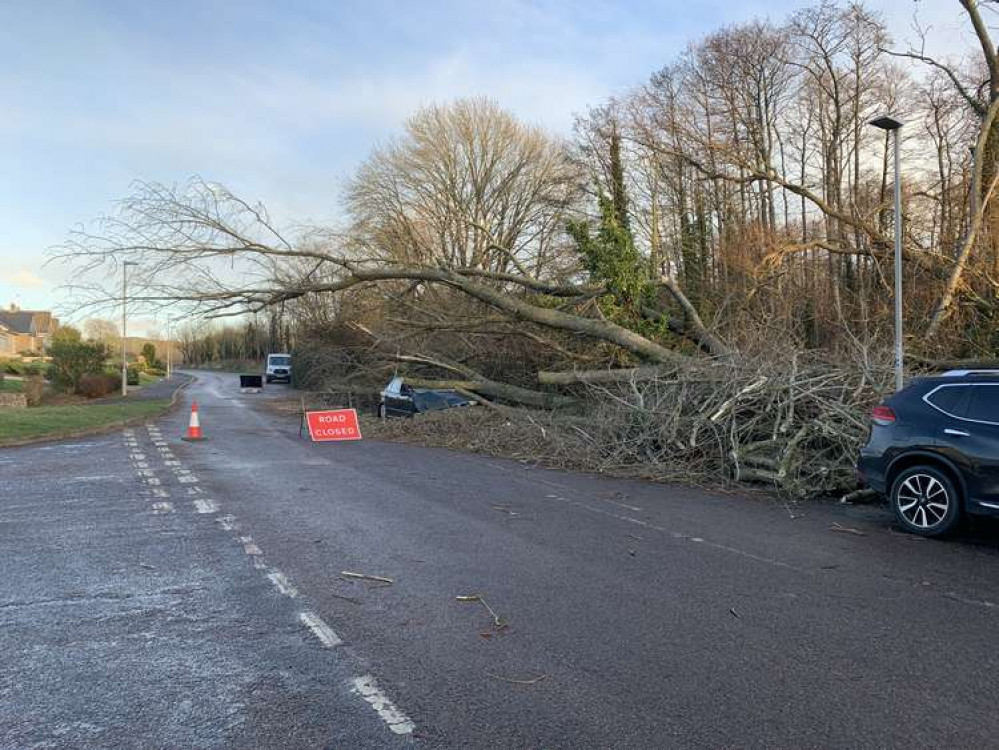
column 732, row 612
column 794, row 516
column 350, row 599
column 632, row 552
column 865, row 495
column 497, row 620
column 366, row 577
column 846, row 529
column 515, row 681
column 512, row 513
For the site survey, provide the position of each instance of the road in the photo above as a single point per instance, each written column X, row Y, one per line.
column 158, row 593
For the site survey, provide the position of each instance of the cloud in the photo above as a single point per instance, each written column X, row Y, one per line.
column 23, row 279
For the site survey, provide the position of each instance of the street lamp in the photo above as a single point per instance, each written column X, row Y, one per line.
column 893, row 126
column 124, row 321
column 169, row 347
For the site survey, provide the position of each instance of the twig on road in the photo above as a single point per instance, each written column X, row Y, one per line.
column 497, row 620
column 365, row 577
column 350, row 599
column 515, row 681
column 847, row 530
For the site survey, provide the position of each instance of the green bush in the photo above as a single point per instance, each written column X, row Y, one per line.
column 71, row 360
column 133, row 376
column 12, row 366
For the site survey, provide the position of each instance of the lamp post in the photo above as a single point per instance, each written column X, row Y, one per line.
column 124, row 322
column 893, row 126
column 169, row 346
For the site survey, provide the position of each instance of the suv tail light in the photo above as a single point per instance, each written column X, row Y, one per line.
column 883, row 415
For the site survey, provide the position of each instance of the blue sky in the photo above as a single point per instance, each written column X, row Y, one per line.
column 281, row 100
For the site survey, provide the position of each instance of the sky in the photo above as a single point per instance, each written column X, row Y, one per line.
column 280, row 101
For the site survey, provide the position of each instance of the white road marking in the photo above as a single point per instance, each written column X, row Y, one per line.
column 171, row 463
column 228, row 522
column 162, row 508
column 320, row 629
column 281, row 583
column 152, row 480
column 99, row 478
column 368, row 689
column 678, row 535
column 206, row 506
column 195, row 491
column 249, row 546
column 145, row 472
column 139, row 456
column 189, row 479
column 159, row 492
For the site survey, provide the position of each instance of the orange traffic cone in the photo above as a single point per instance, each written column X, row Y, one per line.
column 194, row 427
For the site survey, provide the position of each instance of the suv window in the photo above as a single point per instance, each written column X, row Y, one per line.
column 984, row 403
column 950, row 399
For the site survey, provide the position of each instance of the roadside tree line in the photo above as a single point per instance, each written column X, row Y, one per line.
column 725, row 221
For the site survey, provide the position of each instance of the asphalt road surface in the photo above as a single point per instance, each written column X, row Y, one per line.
column 163, row 594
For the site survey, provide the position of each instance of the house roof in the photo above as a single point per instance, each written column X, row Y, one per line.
column 27, row 321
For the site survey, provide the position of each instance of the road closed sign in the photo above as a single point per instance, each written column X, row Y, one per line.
column 335, row 424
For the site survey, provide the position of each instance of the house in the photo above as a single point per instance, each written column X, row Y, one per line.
column 6, row 341
column 25, row 331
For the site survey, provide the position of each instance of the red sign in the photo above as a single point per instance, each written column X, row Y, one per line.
column 337, row 424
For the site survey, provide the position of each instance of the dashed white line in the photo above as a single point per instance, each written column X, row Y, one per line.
column 206, row 506
column 159, row 492
column 320, row 629
column 368, row 689
column 162, row 507
column 188, row 479
column 281, row 583
column 151, row 480
column 195, row 491
column 249, row 546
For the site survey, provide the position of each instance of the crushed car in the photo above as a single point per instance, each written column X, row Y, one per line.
column 399, row 399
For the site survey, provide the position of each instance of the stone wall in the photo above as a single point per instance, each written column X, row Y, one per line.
column 13, row 401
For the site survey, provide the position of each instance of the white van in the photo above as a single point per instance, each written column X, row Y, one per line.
column 278, row 368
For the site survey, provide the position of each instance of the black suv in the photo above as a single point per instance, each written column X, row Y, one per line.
column 934, row 450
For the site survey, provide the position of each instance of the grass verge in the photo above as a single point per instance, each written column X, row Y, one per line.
column 26, row 424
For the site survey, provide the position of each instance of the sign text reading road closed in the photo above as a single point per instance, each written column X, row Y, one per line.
column 337, row 424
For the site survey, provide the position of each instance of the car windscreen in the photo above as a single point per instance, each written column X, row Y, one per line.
column 283, row 361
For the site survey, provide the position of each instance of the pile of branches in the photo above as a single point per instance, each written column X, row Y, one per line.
column 794, row 426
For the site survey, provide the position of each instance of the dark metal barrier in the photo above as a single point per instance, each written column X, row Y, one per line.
column 251, row 381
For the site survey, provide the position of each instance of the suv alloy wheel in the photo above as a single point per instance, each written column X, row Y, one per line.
column 925, row 501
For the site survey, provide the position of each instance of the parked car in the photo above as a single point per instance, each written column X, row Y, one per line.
column 399, row 399
column 278, row 368
column 934, row 450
